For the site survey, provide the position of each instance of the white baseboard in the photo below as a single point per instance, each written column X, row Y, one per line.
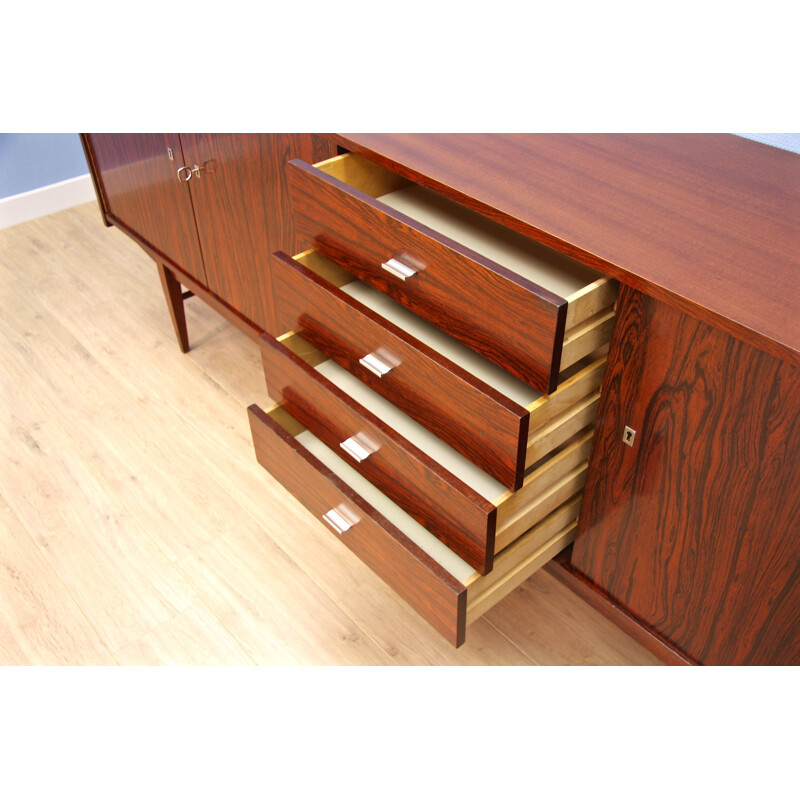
column 47, row 200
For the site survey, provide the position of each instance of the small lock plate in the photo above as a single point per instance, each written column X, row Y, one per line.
column 628, row 435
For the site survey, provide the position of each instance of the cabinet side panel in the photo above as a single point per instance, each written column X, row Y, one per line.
column 97, row 183
column 693, row 529
column 142, row 190
column 241, row 204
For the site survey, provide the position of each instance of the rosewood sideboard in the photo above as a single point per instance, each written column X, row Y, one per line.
column 493, row 353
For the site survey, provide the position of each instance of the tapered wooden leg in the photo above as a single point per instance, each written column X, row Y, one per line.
column 174, row 297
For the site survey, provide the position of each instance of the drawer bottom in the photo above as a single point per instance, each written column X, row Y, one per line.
column 439, row 585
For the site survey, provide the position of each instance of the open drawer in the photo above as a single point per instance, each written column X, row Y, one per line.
column 469, row 511
column 488, row 415
column 514, row 301
column 445, row 590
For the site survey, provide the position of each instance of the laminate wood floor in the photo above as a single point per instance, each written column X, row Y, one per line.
column 136, row 527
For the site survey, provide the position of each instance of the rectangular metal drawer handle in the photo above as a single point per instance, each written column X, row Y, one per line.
column 356, row 449
column 375, row 365
column 398, row 269
column 337, row 522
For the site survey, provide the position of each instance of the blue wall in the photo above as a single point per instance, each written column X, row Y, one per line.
column 32, row 160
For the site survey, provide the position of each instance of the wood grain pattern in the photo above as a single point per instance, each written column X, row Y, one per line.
column 173, row 294
column 577, row 417
column 40, row 622
column 419, row 580
column 559, row 636
column 545, row 501
column 267, row 601
column 440, row 502
column 475, row 419
column 195, row 637
column 560, row 568
column 645, row 208
column 411, row 640
column 504, row 317
column 521, row 559
column 142, row 190
column 125, row 428
column 219, row 305
column 116, row 574
column 240, row 203
column 693, row 529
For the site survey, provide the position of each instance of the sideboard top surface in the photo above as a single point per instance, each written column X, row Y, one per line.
column 706, row 222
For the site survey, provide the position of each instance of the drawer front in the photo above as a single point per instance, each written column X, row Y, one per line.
column 424, row 584
column 444, row 505
column 502, row 316
column 472, row 417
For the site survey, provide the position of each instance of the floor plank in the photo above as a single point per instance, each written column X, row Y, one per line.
column 136, row 446
column 40, row 622
column 193, row 638
column 556, row 628
column 410, row 640
column 278, row 613
column 120, row 579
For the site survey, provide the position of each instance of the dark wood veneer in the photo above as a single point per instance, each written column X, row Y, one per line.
column 449, row 509
column 470, row 416
column 142, row 190
column 239, row 199
column 174, row 297
column 705, row 222
column 559, row 567
column 425, row 585
column 509, row 320
column 693, row 530
column 218, row 227
column 217, row 303
column 97, row 183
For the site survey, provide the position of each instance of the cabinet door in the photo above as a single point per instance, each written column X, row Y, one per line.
column 143, row 192
column 242, row 213
column 693, row 529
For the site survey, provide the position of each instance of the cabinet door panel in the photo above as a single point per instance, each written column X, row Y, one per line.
column 143, row 192
column 240, row 202
column 693, row 528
